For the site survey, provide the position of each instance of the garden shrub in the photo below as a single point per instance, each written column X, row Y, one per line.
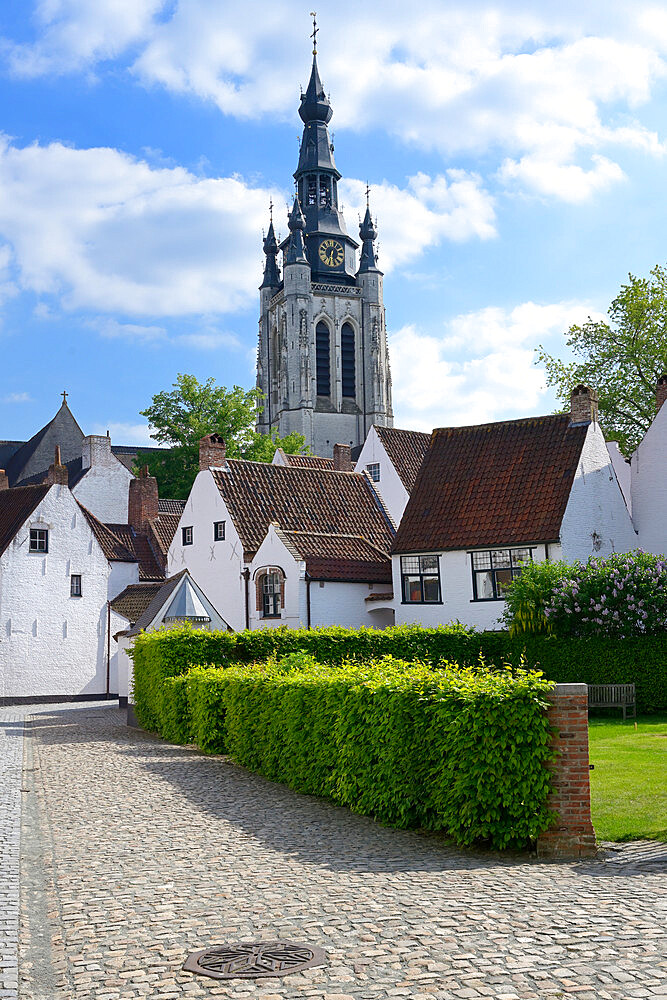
column 451, row 749
column 527, row 597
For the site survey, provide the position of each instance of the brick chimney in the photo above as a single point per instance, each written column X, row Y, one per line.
column 57, row 473
column 342, row 457
column 211, row 452
column 660, row 391
column 4, row 480
column 96, row 450
column 142, row 502
column 583, row 405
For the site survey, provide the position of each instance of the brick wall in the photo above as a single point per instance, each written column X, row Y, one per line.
column 572, row 836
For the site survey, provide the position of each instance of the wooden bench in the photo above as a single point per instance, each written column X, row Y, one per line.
column 613, row 696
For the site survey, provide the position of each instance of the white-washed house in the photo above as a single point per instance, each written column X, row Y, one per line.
column 274, row 544
column 491, row 497
column 648, row 472
column 392, row 458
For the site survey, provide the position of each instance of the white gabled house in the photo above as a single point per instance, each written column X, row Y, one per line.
column 276, row 544
column 490, row 498
column 648, row 472
column 53, row 596
column 392, row 458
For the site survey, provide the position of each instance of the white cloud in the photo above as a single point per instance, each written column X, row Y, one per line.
column 74, row 34
column 481, row 368
column 17, row 397
column 547, row 92
column 126, row 433
column 102, row 231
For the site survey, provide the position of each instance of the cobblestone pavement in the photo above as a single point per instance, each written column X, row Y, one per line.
column 149, row 852
column 11, row 761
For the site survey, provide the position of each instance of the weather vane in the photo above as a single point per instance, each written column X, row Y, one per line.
column 271, row 209
column 368, row 194
column 313, row 14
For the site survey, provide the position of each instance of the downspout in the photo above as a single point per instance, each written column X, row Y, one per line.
column 246, row 577
column 307, row 601
column 108, row 647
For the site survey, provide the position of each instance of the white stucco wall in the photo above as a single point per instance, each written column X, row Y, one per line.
column 596, row 519
column 334, row 603
column 457, row 594
column 216, row 566
column 389, row 486
column 121, row 575
column 52, row 643
column 649, row 486
column 105, row 487
column 622, row 469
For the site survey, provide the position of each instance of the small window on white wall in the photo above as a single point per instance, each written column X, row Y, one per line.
column 75, row 585
column 373, row 470
column 187, row 535
column 218, row 531
column 39, row 540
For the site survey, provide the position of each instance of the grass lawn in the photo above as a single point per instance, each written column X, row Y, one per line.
column 629, row 783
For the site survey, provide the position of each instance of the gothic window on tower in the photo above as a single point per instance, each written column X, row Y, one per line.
column 322, row 360
column 347, row 360
column 312, row 190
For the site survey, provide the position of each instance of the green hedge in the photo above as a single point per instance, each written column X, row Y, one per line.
column 594, row 660
column 462, row 751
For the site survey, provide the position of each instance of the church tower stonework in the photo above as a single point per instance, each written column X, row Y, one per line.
column 322, row 359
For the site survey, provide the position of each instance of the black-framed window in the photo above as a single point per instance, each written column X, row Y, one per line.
column 420, row 579
column 347, row 361
column 494, row 569
column 218, row 531
column 322, row 360
column 75, row 585
column 39, row 540
column 373, row 470
column 271, row 590
column 187, row 535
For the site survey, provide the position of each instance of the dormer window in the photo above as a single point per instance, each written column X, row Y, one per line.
column 39, row 540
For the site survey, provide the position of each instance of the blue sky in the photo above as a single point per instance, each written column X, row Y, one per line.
column 515, row 152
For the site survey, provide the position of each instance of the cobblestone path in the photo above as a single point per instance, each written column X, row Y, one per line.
column 150, row 851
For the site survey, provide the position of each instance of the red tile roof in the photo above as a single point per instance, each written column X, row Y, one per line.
column 493, row 484
column 16, row 506
column 135, row 599
column 167, row 506
column 339, row 557
column 138, row 544
column 309, row 462
column 306, row 500
column 110, row 543
column 161, row 531
column 406, row 449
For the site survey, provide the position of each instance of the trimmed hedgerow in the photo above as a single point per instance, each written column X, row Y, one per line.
column 599, row 659
column 457, row 750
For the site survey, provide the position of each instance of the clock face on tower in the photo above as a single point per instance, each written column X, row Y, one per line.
column 331, row 253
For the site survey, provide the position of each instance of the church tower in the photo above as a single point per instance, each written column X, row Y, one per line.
column 322, row 359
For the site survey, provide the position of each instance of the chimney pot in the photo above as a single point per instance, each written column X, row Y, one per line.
column 660, row 391
column 583, row 405
column 211, row 452
column 4, row 480
column 143, row 500
column 342, row 458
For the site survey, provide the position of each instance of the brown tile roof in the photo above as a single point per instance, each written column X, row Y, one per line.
column 339, row 557
column 386, row 595
column 308, row 500
column 161, row 531
column 171, row 506
column 406, row 449
column 110, row 543
column 309, row 462
column 16, row 506
column 159, row 599
column 493, row 484
column 133, row 601
column 138, row 544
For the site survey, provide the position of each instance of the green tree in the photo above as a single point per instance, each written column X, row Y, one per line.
column 181, row 416
column 621, row 358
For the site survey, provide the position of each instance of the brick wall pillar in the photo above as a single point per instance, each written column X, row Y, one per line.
column 573, row 835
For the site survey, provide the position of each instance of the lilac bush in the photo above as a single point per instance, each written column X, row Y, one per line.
column 623, row 594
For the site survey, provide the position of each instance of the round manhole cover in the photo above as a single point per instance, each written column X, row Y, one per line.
column 254, row 959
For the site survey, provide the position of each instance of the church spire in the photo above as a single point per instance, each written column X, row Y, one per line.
column 271, row 273
column 315, row 105
column 296, row 253
column 368, row 235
